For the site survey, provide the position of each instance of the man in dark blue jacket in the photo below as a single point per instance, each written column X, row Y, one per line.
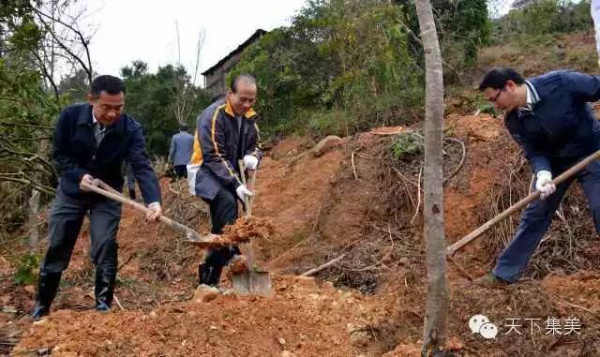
column 226, row 133
column 91, row 141
column 550, row 118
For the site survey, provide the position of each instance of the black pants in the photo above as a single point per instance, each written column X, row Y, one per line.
column 223, row 211
column 66, row 218
column 179, row 171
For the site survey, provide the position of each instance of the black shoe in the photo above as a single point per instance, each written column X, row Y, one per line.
column 47, row 288
column 209, row 275
column 39, row 311
column 104, row 290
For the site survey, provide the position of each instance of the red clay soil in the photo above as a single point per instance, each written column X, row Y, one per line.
column 321, row 207
column 484, row 165
column 299, row 314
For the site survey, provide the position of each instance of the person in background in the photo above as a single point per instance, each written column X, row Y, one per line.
column 180, row 151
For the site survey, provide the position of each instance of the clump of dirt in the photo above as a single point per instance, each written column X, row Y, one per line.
column 246, row 228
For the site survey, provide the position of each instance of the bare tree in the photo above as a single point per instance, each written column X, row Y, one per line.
column 184, row 99
column 64, row 48
column 437, row 293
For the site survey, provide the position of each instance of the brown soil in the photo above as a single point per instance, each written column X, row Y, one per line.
column 353, row 202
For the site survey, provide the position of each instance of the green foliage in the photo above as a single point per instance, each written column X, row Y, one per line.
column 349, row 57
column 27, row 268
column 463, row 26
column 545, row 17
column 74, row 88
column 407, row 146
column 155, row 99
column 27, row 112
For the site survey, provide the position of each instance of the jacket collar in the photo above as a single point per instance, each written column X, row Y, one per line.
column 86, row 117
column 532, row 99
column 229, row 110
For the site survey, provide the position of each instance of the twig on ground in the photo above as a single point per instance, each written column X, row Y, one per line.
column 462, row 160
column 118, row 302
column 354, row 167
column 311, row 235
column 591, row 312
column 418, row 197
column 323, row 266
column 404, row 178
column 460, row 268
column 127, row 261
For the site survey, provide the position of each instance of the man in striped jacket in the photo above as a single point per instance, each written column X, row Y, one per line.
column 226, row 133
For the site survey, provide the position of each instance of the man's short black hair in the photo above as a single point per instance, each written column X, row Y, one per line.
column 108, row 84
column 496, row 78
column 183, row 127
column 236, row 80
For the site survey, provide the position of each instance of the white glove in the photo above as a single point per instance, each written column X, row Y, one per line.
column 250, row 162
column 243, row 191
column 544, row 184
column 154, row 212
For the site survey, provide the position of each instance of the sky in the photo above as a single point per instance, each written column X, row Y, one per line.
column 128, row 30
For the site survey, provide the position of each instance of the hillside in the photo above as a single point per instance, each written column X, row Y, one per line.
column 353, row 199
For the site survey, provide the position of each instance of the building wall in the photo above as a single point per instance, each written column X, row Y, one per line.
column 215, row 80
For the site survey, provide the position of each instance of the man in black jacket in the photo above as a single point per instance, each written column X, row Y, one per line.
column 226, row 133
column 90, row 142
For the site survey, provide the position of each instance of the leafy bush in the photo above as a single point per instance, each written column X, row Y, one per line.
column 407, row 146
column 535, row 18
column 349, row 57
column 27, row 268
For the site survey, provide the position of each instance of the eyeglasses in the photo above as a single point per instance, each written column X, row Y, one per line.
column 493, row 100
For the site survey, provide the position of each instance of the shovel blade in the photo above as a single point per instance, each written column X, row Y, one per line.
column 252, row 283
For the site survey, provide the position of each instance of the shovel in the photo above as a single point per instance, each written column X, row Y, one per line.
column 109, row 192
column 253, row 281
column 522, row 203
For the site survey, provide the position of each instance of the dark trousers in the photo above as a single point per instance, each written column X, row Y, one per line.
column 536, row 219
column 66, row 219
column 223, row 211
column 180, row 171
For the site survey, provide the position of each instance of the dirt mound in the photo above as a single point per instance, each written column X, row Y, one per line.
column 302, row 318
column 354, row 204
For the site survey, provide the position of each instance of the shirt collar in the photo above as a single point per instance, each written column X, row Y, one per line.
column 94, row 120
column 532, row 98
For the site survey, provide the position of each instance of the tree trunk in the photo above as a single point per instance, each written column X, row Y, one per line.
column 437, row 294
column 33, row 222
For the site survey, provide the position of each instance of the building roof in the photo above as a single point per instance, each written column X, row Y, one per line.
column 257, row 34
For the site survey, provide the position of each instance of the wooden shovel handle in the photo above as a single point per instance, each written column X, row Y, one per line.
column 250, row 183
column 522, row 203
column 113, row 194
